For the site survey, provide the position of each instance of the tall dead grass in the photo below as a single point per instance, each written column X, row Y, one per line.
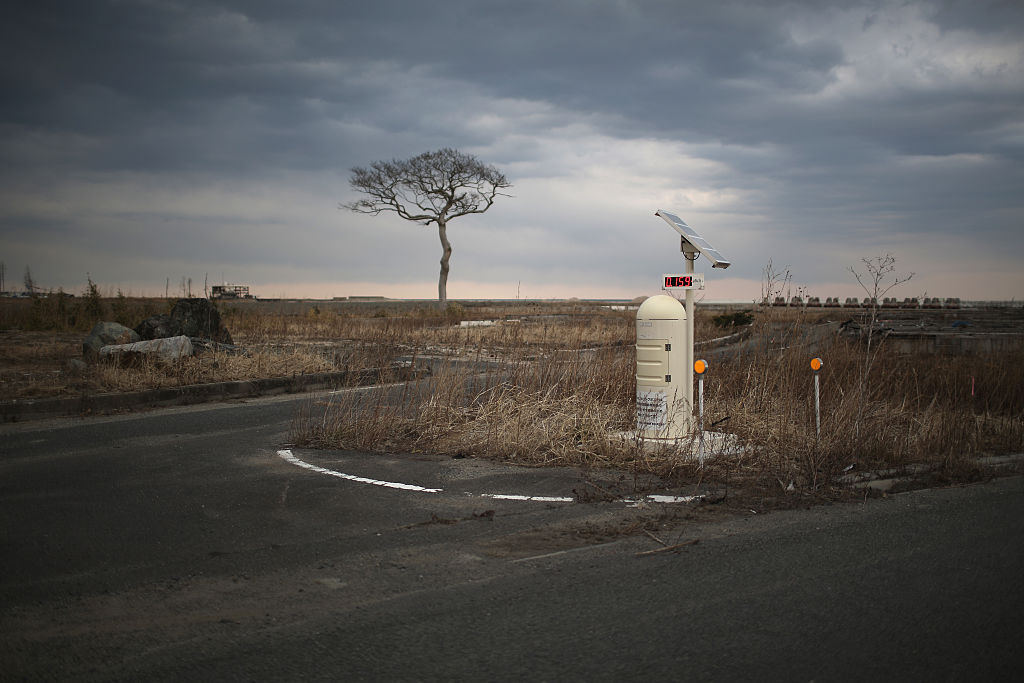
column 424, row 328
column 557, row 407
column 913, row 409
column 61, row 312
column 565, row 405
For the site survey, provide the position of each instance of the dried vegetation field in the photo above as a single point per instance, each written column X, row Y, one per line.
column 559, row 390
column 552, row 383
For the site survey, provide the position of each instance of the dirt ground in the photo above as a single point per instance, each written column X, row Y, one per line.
column 34, row 364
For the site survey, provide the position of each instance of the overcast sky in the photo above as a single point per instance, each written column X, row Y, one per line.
column 147, row 140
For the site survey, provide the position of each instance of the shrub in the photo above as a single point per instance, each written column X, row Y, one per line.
column 92, row 302
column 737, row 319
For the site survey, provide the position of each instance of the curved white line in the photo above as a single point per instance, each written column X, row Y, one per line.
column 288, row 456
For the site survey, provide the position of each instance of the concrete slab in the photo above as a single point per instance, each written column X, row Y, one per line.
column 698, row 446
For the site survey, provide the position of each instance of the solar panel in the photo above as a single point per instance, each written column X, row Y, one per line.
column 691, row 236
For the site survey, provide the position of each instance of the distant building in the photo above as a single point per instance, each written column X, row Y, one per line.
column 230, row 292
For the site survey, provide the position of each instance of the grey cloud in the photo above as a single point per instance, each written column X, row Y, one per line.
column 986, row 16
column 103, row 68
column 255, row 89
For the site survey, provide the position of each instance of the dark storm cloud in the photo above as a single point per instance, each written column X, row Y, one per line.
column 727, row 72
column 109, row 69
column 823, row 118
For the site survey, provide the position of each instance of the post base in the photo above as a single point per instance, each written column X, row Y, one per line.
column 698, row 446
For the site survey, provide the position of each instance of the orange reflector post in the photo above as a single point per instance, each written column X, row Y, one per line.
column 815, row 366
column 700, row 367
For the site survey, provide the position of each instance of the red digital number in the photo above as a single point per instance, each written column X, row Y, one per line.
column 679, row 281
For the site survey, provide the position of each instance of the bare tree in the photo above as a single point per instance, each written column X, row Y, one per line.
column 434, row 187
column 880, row 277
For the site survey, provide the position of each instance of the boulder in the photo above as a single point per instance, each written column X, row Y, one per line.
column 155, row 327
column 190, row 318
column 105, row 334
column 167, row 349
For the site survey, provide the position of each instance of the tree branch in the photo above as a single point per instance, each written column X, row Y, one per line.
column 436, row 185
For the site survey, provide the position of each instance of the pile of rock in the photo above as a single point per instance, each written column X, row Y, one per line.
column 107, row 334
column 191, row 325
column 189, row 318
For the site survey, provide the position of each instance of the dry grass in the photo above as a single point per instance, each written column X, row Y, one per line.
column 62, row 313
column 547, row 409
column 561, row 404
column 423, row 326
column 911, row 412
column 558, row 383
column 39, row 336
column 34, row 365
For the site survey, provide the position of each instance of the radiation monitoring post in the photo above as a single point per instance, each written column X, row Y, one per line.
column 664, row 347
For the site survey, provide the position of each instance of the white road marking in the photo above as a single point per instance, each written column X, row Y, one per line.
column 654, row 498
column 288, row 456
column 369, row 387
column 542, row 499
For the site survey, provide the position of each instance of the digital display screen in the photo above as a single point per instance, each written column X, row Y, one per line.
column 688, row 281
column 678, row 281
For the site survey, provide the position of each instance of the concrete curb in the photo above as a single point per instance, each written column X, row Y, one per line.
column 886, row 480
column 36, row 409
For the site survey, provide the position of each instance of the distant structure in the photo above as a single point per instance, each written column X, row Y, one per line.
column 230, row 292
column 868, row 302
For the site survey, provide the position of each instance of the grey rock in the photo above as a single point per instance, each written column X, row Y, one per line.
column 105, row 334
column 156, row 327
column 191, row 318
column 167, row 349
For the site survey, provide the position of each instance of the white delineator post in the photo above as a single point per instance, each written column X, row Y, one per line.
column 701, row 368
column 816, row 368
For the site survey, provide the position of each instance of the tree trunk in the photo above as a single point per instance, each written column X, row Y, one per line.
column 446, row 254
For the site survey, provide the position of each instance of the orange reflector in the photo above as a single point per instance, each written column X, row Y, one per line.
column 700, row 367
column 815, row 364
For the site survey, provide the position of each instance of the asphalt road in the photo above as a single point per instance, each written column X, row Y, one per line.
column 181, row 545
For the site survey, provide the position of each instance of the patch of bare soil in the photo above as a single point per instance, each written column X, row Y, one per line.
column 33, row 364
